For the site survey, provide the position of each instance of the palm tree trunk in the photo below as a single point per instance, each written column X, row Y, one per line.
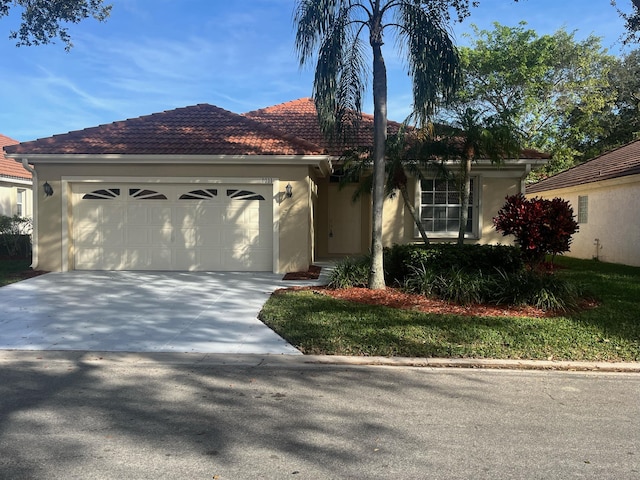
column 465, row 184
column 376, row 272
column 414, row 213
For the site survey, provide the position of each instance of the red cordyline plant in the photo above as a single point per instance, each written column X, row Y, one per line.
column 540, row 226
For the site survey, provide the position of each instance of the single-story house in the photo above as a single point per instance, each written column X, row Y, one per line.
column 605, row 196
column 15, row 185
column 202, row 188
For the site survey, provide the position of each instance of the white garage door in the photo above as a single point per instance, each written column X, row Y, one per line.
column 172, row 227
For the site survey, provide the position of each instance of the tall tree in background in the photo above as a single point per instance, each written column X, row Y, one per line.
column 632, row 21
column 620, row 123
column 540, row 83
column 42, row 21
column 339, row 32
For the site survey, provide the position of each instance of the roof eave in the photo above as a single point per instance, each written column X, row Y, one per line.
column 116, row 158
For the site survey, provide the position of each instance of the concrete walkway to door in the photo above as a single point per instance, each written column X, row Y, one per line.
column 209, row 312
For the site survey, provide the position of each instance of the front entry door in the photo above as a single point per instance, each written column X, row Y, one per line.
column 345, row 221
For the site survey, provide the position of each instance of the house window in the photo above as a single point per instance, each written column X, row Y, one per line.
column 583, row 209
column 440, row 207
column 20, row 207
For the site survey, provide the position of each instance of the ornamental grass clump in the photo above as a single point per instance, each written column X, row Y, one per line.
column 350, row 272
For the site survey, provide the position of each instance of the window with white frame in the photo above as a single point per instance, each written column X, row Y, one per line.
column 583, row 209
column 20, row 198
column 440, row 207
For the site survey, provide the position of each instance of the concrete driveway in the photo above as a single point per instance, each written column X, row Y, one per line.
column 209, row 312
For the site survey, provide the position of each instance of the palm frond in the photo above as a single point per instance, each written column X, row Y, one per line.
column 433, row 60
column 340, row 78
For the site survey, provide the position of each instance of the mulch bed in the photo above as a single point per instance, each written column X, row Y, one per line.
column 396, row 298
column 312, row 274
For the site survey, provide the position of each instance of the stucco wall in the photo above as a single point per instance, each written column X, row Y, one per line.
column 494, row 193
column 8, row 199
column 399, row 226
column 295, row 243
column 492, row 198
column 613, row 219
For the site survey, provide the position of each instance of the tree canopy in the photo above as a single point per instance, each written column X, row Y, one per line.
column 547, row 86
column 632, row 21
column 42, row 21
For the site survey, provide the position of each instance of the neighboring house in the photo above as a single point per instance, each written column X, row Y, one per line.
column 202, row 188
column 605, row 195
column 15, row 185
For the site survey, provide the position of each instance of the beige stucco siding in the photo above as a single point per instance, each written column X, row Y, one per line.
column 399, row 221
column 9, row 198
column 293, row 222
column 613, row 219
column 494, row 193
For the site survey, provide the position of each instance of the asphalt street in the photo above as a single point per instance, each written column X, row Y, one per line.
column 106, row 416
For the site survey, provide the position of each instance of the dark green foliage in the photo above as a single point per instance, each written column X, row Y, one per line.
column 42, row 21
column 536, row 288
column 454, row 285
column 350, row 272
column 474, row 274
column 15, row 238
column 401, row 260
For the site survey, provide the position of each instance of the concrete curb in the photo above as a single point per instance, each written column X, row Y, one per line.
column 301, row 361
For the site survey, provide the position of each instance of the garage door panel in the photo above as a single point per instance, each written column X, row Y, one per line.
column 112, row 215
column 112, row 259
column 172, row 227
column 112, row 236
column 161, row 216
column 160, row 259
column 88, row 236
column 200, row 237
column 90, row 258
column 244, row 259
column 137, row 236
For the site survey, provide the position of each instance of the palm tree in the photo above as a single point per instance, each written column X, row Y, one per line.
column 335, row 29
column 470, row 138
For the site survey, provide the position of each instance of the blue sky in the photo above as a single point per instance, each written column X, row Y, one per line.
column 155, row 55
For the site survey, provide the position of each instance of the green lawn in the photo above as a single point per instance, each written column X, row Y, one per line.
column 319, row 324
column 9, row 267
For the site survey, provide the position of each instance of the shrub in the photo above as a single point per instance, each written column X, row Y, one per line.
column 15, row 237
column 350, row 272
column 402, row 260
column 540, row 226
column 536, row 288
column 469, row 275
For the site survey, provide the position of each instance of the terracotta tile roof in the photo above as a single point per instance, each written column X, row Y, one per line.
column 289, row 128
column 197, row 130
column 617, row 163
column 9, row 168
column 300, row 118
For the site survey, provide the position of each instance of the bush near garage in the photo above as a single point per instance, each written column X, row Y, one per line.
column 15, row 236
